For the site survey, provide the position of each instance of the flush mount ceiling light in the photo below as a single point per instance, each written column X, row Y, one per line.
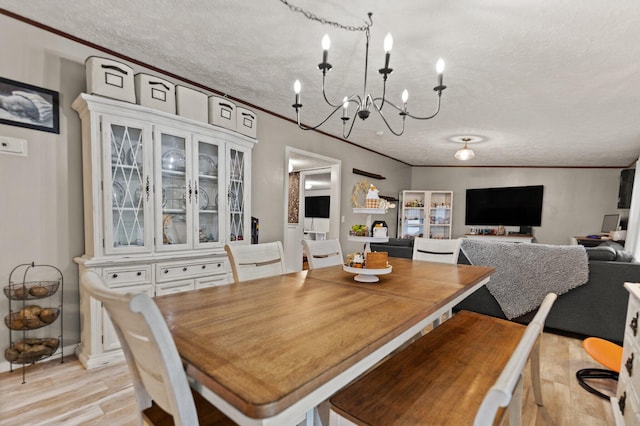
column 465, row 153
column 366, row 103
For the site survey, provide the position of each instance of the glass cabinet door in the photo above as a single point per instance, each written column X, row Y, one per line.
column 175, row 190
column 208, row 188
column 440, row 215
column 411, row 214
column 127, row 186
column 235, row 196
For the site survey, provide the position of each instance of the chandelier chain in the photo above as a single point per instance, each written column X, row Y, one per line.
column 324, row 21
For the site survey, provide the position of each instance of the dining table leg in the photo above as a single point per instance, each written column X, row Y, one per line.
column 313, row 418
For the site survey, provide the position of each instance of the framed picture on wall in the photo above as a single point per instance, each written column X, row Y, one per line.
column 29, row 106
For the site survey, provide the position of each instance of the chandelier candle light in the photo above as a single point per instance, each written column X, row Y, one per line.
column 367, row 102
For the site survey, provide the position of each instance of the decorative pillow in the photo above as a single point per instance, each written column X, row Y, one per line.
column 621, row 254
column 601, row 253
column 612, row 244
column 624, row 256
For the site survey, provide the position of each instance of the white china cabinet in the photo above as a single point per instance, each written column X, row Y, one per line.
column 163, row 194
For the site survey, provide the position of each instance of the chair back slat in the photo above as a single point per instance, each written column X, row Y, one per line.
column 443, row 251
column 322, row 253
column 254, row 261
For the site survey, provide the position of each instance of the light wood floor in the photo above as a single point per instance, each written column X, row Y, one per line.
column 67, row 394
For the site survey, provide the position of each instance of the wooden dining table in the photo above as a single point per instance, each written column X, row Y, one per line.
column 270, row 350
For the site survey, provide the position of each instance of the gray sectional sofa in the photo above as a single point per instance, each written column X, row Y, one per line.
column 597, row 308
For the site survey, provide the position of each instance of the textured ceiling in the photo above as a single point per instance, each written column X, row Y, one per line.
column 542, row 82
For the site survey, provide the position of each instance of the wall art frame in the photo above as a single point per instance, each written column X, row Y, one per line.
column 32, row 107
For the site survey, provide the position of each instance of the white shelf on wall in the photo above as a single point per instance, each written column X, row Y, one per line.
column 368, row 239
column 362, row 210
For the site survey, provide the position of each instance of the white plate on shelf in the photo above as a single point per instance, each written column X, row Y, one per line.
column 174, row 160
column 118, row 194
column 134, row 158
column 174, row 229
column 203, row 199
column 207, row 165
column 174, row 198
column 138, row 195
column 116, row 151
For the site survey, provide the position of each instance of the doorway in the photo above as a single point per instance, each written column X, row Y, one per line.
column 321, row 177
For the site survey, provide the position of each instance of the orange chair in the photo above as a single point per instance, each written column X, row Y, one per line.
column 606, row 353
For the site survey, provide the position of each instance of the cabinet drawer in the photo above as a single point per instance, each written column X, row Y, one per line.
column 127, row 275
column 172, row 271
column 632, row 326
column 213, row 281
column 631, row 361
column 174, row 287
column 627, row 401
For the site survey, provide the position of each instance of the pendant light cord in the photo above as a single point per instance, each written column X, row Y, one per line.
column 324, row 21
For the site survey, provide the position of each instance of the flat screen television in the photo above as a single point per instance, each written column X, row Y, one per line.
column 317, row 206
column 509, row 206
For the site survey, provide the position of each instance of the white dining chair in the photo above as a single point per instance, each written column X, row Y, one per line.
column 414, row 386
column 322, row 253
column 443, row 251
column 252, row 261
column 161, row 387
column 509, row 384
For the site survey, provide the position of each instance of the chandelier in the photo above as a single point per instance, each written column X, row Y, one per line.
column 366, row 103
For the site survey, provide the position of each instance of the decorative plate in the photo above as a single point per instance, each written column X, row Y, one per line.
column 174, row 229
column 174, row 198
column 138, row 195
column 203, row 199
column 116, row 154
column 207, row 165
column 118, row 194
column 135, row 158
column 174, row 160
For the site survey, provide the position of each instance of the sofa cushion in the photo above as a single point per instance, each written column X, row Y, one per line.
column 403, row 242
column 609, row 251
column 601, row 253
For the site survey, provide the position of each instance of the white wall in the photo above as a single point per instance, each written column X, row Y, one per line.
column 269, row 172
column 575, row 200
column 41, row 215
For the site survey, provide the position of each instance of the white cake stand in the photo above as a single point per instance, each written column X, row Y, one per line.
column 364, row 275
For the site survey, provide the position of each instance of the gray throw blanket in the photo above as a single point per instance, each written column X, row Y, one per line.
column 525, row 273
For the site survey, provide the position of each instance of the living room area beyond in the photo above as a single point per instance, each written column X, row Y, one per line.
column 574, row 203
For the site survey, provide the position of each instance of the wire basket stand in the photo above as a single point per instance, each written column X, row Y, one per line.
column 35, row 294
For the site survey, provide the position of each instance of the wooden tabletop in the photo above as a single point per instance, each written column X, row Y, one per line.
column 263, row 345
